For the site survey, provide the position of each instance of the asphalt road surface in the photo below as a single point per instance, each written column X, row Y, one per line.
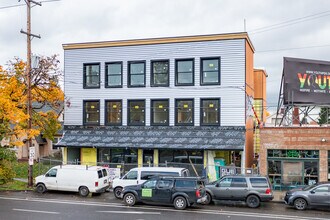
column 57, row 205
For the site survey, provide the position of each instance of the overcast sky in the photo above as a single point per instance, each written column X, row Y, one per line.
column 277, row 28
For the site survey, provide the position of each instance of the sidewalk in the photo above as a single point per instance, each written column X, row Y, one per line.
column 21, row 179
column 278, row 196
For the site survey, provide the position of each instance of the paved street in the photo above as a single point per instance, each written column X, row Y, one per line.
column 57, row 205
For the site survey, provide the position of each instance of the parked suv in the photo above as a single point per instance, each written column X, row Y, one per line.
column 179, row 191
column 313, row 195
column 140, row 174
column 249, row 188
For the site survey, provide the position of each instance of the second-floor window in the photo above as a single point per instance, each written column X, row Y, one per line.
column 136, row 112
column 210, row 113
column 113, row 112
column 210, row 71
column 184, row 112
column 91, row 112
column 91, row 75
column 136, row 73
column 160, row 73
column 184, row 72
column 113, row 74
column 159, row 112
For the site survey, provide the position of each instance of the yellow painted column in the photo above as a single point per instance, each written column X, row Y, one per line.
column 140, row 157
column 88, row 156
column 156, row 156
column 65, row 155
column 205, row 158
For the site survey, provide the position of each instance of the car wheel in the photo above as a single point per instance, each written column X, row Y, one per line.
column 129, row 199
column 300, row 204
column 41, row 188
column 208, row 199
column 180, row 202
column 83, row 191
column 117, row 192
column 253, row 201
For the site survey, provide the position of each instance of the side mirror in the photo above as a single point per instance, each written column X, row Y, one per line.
column 217, row 185
column 47, row 175
column 312, row 191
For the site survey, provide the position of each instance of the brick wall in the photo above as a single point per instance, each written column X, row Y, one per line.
column 296, row 138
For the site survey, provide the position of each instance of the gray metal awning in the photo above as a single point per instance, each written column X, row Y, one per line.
column 149, row 137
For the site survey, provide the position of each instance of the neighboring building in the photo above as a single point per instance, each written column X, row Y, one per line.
column 43, row 146
column 260, row 105
column 293, row 156
column 158, row 101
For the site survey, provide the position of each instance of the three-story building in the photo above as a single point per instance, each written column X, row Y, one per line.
column 160, row 101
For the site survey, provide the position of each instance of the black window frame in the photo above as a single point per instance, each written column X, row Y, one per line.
column 177, row 73
column 84, row 112
column 202, row 83
column 152, row 112
column 176, row 112
column 129, row 73
column 201, row 111
column 106, row 75
column 129, row 114
column 152, row 81
column 85, row 86
column 106, row 122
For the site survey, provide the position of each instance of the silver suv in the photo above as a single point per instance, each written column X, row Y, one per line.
column 249, row 188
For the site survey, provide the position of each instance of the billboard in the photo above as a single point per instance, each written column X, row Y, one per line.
column 306, row 82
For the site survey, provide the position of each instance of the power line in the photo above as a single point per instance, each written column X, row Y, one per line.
column 19, row 5
column 289, row 22
column 293, row 48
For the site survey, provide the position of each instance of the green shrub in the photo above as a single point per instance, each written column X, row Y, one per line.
column 7, row 158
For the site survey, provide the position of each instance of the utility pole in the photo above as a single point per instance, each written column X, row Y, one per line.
column 28, row 78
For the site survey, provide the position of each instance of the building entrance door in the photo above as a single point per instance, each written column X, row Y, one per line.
column 148, row 158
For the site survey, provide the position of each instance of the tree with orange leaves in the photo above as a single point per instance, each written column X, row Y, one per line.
column 47, row 100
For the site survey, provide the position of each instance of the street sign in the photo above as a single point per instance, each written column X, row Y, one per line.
column 32, row 151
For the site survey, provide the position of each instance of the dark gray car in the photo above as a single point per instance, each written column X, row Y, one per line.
column 314, row 195
column 249, row 188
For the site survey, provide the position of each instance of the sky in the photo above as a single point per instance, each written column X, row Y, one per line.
column 277, row 28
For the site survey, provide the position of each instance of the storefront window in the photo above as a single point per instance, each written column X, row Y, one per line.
column 293, row 153
column 288, row 169
column 329, row 165
column 123, row 156
column 103, row 155
column 180, row 156
column 311, row 172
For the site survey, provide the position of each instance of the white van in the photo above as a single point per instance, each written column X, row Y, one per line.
column 76, row 178
column 141, row 174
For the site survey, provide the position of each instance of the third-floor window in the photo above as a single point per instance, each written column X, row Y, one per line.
column 210, row 71
column 160, row 73
column 113, row 74
column 91, row 75
column 184, row 72
column 136, row 73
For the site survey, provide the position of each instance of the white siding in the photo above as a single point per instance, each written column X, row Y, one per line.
column 231, row 90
